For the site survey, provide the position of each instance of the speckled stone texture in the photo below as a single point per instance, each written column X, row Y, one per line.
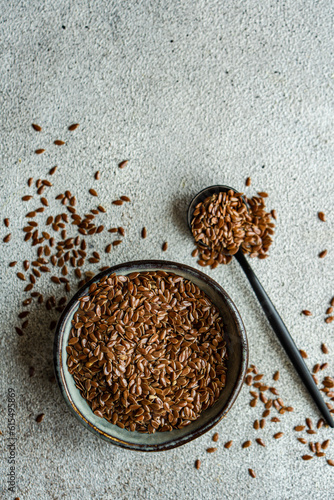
column 193, row 93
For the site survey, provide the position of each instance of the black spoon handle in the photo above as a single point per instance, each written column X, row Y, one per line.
column 285, row 338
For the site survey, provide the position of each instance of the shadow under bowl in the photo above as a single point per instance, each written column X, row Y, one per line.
column 237, row 350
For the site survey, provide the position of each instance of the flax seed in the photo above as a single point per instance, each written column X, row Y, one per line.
column 251, row 473
column 40, row 417
column 278, row 435
column 324, row 349
column 246, row 444
column 215, row 437
column 123, row 164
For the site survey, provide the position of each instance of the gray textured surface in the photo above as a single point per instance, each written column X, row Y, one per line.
column 193, row 93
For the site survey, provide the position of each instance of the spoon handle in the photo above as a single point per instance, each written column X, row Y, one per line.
column 284, row 337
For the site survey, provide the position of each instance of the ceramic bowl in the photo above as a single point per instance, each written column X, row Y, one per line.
column 237, row 348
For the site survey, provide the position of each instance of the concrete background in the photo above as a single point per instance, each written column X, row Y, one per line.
column 192, row 93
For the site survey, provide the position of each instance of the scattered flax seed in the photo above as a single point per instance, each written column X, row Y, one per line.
column 323, row 366
column 328, row 311
column 307, row 457
column 274, row 214
column 321, row 216
column 329, row 319
column 256, row 425
column 144, row 232
column 275, row 419
column 211, row 450
column 52, row 170
column 228, row 444
column 73, row 127
column 7, row 238
column 273, row 390
column 263, row 194
column 246, row 444
column 108, row 248
column 276, row 376
column 215, row 437
column 197, row 464
column 332, row 302
column 57, row 142
column 260, row 442
column 93, row 192
column 21, row 276
column 306, row 312
column 26, row 198
column 36, row 127
column 30, row 181
column 97, row 175
column 125, row 198
column 302, row 440
column 6, row 222
column 278, row 435
column 39, row 151
column 322, row 254
column 324, row 349
column 116, row 243
column 248, row 181
column 117, row 202
column 309, row 423
column 164, row 246
column 12, row 264
column 303, row 353
column 123, row 164
column 251, row 473
column 40, row 417
column 325, row 444
column 330, row 462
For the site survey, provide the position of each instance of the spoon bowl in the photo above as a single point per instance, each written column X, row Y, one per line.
column 200, row 197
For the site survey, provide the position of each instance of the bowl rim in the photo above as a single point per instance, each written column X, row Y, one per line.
column 172, row 267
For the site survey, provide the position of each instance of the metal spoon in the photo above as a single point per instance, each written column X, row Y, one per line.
column 272, row 315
